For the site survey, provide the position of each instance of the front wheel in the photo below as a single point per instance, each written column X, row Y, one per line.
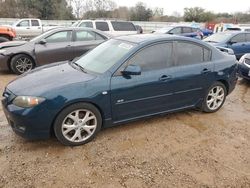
column 215, row 98
column 21, row 63
column 77, row 124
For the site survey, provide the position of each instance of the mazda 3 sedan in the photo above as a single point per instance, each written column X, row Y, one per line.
column 121, row 80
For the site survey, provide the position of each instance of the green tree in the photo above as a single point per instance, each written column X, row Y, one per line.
column 140, row 12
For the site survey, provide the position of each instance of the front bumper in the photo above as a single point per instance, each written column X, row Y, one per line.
column 4, row 63
column 244, row 71
column 29, row 123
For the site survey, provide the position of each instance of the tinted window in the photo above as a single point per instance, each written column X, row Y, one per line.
column 123, row 26
column 34, row 23
column 63, row 36
column 176, row 31
column 207, row 54
column 24, row 23
column 238, row 38
column 154, row 57
column 248, row 37
column 195, row 30
column 103, row 26
column 87, row 24
column 87, row 36
column 187, row 30
column 189, row 53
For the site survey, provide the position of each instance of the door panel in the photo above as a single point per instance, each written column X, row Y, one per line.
column 142, row 95
column 53, row 52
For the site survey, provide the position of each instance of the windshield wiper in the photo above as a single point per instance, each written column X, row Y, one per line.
column 78, row 66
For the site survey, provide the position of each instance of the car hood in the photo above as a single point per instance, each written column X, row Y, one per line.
column 47, row 78
column 12, row 44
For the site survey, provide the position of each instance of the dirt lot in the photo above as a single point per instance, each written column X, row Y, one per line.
column 188, row 149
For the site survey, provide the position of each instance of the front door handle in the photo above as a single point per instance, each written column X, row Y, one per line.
column 165, row 78
column 205, row 71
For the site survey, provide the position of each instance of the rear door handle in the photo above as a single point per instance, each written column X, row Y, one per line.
column 205, row 71
column 165, row 78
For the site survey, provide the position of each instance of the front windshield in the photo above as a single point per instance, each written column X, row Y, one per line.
column 218, row 37
column 104, row 56
column 163, row 30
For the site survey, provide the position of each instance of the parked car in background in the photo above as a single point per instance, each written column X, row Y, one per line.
column 55, row 45
column 7, row 33
column 28, row 28
column 185, row 31
column 237, row 40
column 244, row 66
column 207, row 32
column 121, row 80
column 114, row 27
column 139, row 29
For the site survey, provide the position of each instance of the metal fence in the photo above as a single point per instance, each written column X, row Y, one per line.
column 147, row 26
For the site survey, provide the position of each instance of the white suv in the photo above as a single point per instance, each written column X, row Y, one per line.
column 112, row 27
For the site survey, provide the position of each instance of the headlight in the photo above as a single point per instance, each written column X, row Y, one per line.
column 27, row 101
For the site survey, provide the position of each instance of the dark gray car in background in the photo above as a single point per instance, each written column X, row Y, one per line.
column 56, row 45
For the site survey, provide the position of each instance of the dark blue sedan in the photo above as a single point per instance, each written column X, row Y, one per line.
column 185, row 31
column 238, row 41
column 123, row 79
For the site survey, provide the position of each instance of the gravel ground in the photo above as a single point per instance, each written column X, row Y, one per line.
column 187, row 149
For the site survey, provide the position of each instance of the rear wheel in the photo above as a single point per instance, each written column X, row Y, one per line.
column 215, row 97
column 77, row 124
column 21, row 63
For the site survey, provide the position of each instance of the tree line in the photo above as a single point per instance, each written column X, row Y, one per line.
column 91, row 9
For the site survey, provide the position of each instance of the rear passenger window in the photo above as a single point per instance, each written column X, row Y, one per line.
column 248, row 37
column 87, row 36
column 187, row 30
column 34, row 23
column 103, row 26
column 86, row 24
column 123, row 26
column 189, row 53
column 238, row 38
column 158, row 56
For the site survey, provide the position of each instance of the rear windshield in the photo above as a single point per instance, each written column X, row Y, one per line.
column 123, row 26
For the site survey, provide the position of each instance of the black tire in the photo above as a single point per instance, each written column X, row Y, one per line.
column 207, row 97
column 25, row 60
column 3, row 39
column 62, row 117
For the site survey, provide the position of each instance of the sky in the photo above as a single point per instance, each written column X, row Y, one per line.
column 171, row 6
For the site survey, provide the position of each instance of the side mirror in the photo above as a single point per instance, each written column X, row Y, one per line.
column 231, row 42
column 132, row 70
column 42, row 41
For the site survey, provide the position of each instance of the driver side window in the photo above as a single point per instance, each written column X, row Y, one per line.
column 176, row 31
column 155, row 57
column 24, row 23
column 63, row 36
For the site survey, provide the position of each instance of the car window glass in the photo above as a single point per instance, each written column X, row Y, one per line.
column 176, row 31
column 103, row 26
column 188, row 53
column 248, row 37
column 207, row 54
column 62, row 36
column 24, row 23
column 86, row 24
column 123, row 26
column 238, row 38
column 155, row 57
column 194, row 30
column 187, row 30
column 34, row 23
column 84, row 36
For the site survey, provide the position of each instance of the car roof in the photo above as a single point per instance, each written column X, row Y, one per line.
column 147, row 38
